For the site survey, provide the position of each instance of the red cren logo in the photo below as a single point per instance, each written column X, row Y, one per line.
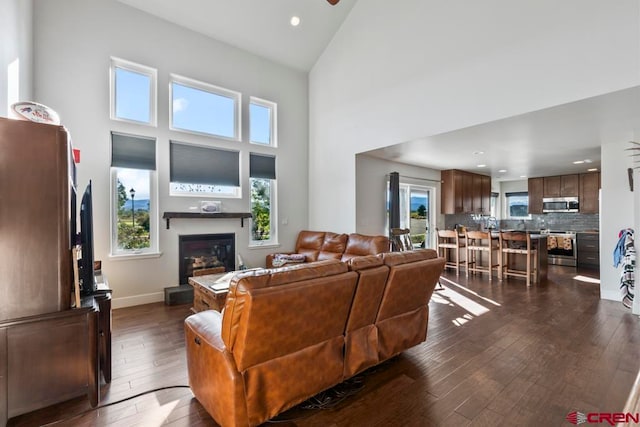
column 610, row 418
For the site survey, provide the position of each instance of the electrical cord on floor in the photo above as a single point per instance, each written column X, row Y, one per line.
column 113, row 403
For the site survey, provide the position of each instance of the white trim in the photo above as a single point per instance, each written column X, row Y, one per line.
column 133, row 256
column 609, row 294
column 273, row 120
column 265, row 246
column 153, row 89
column 137, row 300
column 215, row 90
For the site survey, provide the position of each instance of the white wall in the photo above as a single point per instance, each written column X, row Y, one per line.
column 616, row 213
column 74, row 40
column 371, row 188
column 16, row 53
column 397, row 71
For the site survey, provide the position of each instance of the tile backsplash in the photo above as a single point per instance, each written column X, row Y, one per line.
column 551, row 221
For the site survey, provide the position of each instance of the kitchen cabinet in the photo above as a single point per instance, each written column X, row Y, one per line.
column 589, row 250
column 589, row 192
column 465, row 192
column 561, row 186
column 536, row 191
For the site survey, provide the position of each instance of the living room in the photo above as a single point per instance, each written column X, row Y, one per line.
column 367, row 90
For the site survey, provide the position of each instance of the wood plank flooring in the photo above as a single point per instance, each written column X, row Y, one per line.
column 496, row 354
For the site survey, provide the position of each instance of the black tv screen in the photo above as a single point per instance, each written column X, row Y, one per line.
column 85, row 267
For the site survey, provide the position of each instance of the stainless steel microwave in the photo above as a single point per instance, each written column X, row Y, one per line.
column 560, row 204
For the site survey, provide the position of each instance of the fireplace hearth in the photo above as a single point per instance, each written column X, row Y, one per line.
column 199, row 251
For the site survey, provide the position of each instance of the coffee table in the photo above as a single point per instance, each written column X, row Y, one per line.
column 210, row 291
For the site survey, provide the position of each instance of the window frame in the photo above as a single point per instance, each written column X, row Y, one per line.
column 213, row 89
column 273, row 120
column 153, row 248
column 273, row 216
column 153, row 89
column 506, row 209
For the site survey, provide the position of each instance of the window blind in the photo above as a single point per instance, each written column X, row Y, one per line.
column 516, row 194
column 191, row 164
column 134, row 152
column 262, row 166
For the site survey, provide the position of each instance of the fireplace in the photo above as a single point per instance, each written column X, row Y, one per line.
column 199, row 251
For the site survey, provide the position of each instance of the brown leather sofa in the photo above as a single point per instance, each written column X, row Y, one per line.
column 322, row 245
column 286, row 334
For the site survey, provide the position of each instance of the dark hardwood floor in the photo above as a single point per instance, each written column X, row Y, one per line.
column 496, row 354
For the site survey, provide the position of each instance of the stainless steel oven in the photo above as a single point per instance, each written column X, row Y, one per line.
column 561, row 247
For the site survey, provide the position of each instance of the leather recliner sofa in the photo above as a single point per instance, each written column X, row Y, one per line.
column 323, row 245
column 286, row 334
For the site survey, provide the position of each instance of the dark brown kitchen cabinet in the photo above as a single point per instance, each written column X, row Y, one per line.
column 536, row 191
column 589, row 192
column 465, row 192
column 485, row 196
column 561, row 186
column 589, row 250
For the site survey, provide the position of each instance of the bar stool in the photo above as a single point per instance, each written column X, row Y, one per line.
column 479, row 242
column 517, row 243
column 450, row 240
column 401, row 239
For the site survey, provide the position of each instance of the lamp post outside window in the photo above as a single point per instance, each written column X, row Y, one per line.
column 133, row 214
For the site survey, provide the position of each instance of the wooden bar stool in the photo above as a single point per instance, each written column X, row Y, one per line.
column 449, row 240
column 478, row 243
column 517, row 243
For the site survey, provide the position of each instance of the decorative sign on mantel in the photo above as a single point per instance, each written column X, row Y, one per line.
column 198, row 215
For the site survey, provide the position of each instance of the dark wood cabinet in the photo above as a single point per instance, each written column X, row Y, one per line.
column 551, row 186
column 36, row 195
column 536, row 191
column 588, row 250
column 590, row 192
column 49, row 352
column 561, row 186
column 465, row 192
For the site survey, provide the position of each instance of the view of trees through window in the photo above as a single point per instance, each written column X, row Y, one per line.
column 261, row 208
column 132, row 220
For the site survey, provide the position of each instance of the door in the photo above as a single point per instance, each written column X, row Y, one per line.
column 417, row 208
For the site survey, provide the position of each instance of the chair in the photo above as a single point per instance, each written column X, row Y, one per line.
column 479, row 243
column 449, row 240
column 401, row 240
column 212, row 270
column 517, row 243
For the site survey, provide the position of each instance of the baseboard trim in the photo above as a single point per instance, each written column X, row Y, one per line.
column 609, row 294
column 137, row 300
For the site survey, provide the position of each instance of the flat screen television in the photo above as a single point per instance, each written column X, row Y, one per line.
column 85, row 267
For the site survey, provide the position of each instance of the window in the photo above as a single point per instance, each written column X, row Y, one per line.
column 205, row 109
column 133, row 216
column 262, row 175
column 203, row 171
column 133, row 92
column 517, row 205
column 416, row 207
column 262, row 122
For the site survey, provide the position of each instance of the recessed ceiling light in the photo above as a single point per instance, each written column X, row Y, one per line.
column 502, row 171
column 588, row 161
column 478, row 152
column 295, row 21
column 592, row 170
column 523, row 176
column 578, row 162
column 482, row 166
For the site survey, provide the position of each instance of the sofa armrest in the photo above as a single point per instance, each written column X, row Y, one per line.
column 213, row 376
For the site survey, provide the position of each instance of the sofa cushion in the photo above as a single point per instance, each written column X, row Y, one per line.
column 333, row 246
column 310, row 243
column 360, row 245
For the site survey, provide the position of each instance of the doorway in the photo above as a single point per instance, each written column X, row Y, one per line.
column 417, row 213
